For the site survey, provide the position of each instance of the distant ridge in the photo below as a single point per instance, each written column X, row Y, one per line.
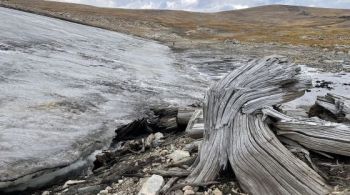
column 272, row 23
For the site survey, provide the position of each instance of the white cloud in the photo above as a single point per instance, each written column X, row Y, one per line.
column 207, row 5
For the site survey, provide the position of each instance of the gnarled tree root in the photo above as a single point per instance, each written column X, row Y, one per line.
column 235, row 132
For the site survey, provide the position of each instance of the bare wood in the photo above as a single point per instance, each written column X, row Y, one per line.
column 174, row 172
column 313, row 133
column 336, row 104
column 235, row 133
column 195, row 127
column 168, row 185
column 183, row 116
column 184, row 162
column 181, row 185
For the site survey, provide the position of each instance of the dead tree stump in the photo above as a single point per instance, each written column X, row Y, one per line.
column 235, row 132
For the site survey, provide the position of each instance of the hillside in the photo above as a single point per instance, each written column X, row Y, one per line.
column 275, row 23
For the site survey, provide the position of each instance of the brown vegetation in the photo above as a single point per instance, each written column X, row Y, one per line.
column 276, row 23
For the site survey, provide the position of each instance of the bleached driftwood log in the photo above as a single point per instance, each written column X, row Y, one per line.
column 336, row 104
column 235, row 134
column 313, row 133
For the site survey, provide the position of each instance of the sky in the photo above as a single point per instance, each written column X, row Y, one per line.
column 208, row 5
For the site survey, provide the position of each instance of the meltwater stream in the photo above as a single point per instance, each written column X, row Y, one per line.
column 65, row 87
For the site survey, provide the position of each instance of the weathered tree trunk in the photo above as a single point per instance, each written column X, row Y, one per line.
column 235, row 133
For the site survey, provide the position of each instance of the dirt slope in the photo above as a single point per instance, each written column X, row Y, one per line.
column 275, row 23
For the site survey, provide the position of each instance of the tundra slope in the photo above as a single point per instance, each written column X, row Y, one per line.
column 65, row 87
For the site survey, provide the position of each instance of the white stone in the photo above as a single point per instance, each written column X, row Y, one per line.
column 217, row 192
column 164, row 152
column 45, row 193
column 178, row 155
column 149, row 140
column 158, row 136
column 72, row 182
column 158, row 139
column 189, row 192
column 152, row 185
column 103, row 192
column 187, row 188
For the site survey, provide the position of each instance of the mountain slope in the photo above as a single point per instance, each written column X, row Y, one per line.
column 275, row 23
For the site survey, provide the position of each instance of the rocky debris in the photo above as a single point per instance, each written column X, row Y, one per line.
column 324, row 84
column 217, row 192
column 152, row 185
column 178, row 155
column 126, row 168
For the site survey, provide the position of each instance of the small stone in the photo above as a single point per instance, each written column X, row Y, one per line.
column 158, row 136
column 178, row 155
column 149, row 140
column 108, row 188
column 45, row 193
column 164, row 152
column 158, row 139
column 187, row 188
column 72, row 182
column 217, row 192
column 120, row 181
column 103, row 192
column 152, row 185
column 189, row 192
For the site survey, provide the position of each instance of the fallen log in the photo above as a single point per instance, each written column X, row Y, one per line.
column 235, row 133
column 183, row 116
column 338, row 105
column 313, row 133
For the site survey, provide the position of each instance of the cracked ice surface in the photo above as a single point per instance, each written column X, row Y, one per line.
column 64, row 87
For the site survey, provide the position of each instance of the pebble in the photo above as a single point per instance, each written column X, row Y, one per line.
column 164, row 152
column 45, row 193
column 187, row 188
column 152, row 185
column 158, row 136
column 189, row 192
column 149, row 140
column 178, row 155
column 103, row 192
column 217, row 192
